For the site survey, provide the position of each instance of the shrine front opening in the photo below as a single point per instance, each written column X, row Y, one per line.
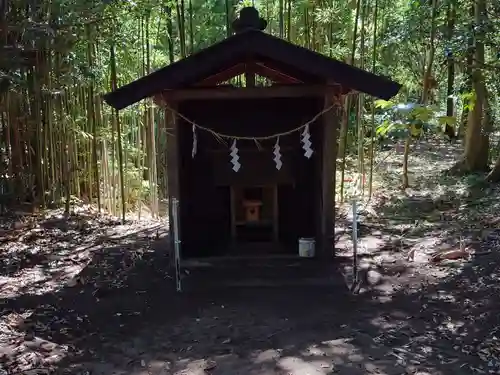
column 258, row 209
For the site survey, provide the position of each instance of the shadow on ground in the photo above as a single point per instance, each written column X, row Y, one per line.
column 124, row 317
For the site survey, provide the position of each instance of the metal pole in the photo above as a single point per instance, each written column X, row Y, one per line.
column 3, row 198
column 354, row 244
column 177, row 244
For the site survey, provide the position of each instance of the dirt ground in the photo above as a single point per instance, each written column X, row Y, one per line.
column 88, row 295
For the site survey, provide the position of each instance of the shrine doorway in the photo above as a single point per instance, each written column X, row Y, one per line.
column 258, row 210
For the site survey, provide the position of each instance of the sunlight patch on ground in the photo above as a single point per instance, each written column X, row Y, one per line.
column 36, row 281
column 267, row 355
column 298, row 366
column 439, row 212
column 322, row 358
column 34, row 356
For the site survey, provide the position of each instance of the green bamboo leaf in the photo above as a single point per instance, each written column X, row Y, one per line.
column 383, row 104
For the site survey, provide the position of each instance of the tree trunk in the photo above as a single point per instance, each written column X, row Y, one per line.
column 281, row 18
column 170, row 36
column 494, row 175
column 191, row 31
column 426, row 89
column 347, row 106
column 116, row 118
column 450, row 107
column 468, row 75
column 372, row 142
column 180, row 25
column 477, row 137
column 228, row 19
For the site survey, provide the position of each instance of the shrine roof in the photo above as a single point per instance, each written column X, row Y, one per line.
column 251, row 43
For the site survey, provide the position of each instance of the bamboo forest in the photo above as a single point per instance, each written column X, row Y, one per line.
column 356, row 232
column 60, row 141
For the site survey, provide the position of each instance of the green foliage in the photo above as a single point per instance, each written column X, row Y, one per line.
column 138, row 190
column 399, row 120
column 447, row 120
column 72, row 41
column 469, row 100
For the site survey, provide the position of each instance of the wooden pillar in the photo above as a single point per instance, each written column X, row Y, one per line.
column 275, row 215
column 173, row 159
column 328, row 166
column 232, row 197
column 249, row 76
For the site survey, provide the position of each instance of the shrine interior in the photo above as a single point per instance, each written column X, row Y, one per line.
column 257, row 209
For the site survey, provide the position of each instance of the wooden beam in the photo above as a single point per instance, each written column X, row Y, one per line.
column 273, row 74
column 173, row 158
column 159, row 100
column 249, row 75
column 248, row 68
column 284, row 91
column 328, row 164
column 232, row 199
column 223, row 76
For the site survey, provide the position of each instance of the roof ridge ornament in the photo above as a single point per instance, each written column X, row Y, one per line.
column 249, row 19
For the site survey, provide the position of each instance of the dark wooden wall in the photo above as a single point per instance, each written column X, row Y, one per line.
column 204, row 180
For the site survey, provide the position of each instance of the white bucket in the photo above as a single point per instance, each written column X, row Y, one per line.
column 307, row 247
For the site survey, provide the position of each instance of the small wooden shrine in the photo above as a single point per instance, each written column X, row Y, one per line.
column 253, row 163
